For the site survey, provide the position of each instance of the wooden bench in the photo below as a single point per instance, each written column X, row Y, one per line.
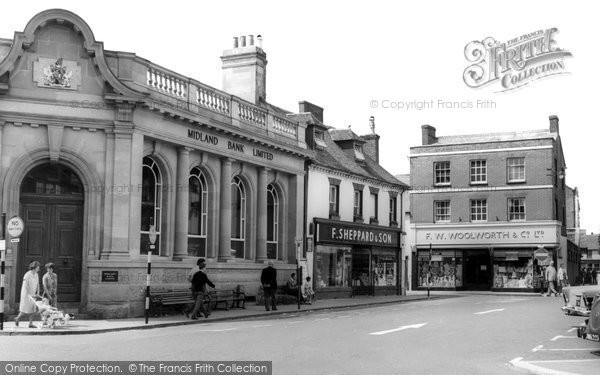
column 228, row 298
column 161, row 299
column 281, row 295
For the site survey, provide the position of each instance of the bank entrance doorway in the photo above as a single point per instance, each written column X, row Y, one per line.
column 477, row 270
column 51, row 205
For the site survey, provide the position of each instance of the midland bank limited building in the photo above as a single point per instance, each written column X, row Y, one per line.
column 97, row 147
column 487, row 210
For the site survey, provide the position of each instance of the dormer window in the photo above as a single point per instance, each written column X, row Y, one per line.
column 320, row 139
column 358, row 152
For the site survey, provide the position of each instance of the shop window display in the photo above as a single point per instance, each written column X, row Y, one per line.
column 385, row 270
column 446, row 273
column 333, row 265
column 513, row 272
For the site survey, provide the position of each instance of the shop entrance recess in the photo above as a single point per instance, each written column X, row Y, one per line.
column 478, row 270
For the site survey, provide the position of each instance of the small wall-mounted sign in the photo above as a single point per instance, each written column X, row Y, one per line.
column 110, row 276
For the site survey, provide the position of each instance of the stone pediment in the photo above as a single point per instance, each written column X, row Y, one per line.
column 57, row 68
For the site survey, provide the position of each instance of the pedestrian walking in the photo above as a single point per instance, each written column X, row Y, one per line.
column 563, row 279
column 268, row 279
column 199, row 282
column 551, row 279
column 29, row 289
column 193, row 271
column 50, row 284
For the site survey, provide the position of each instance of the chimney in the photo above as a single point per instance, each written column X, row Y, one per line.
column 428, row 135
column 371, row 147
column 315, row 110
column 245, row 69
column 553, row 124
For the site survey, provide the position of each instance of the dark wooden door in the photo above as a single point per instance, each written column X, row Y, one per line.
column 53, row 233
column 477, row 271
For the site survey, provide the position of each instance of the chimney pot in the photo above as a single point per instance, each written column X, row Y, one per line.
column 259, row 40
column 372, row 123
column 235, row 42
column 242, row 41
column 250, row 40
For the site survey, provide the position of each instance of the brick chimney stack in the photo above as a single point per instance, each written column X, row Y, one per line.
column 553, row 124
column 245, row 69
column 428, row 135
column 371, row 147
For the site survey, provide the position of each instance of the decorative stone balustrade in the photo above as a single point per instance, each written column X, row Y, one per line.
column 194, row 96
column 212, row 100
column 285, row 127
column 253, row 115
column 166, row 83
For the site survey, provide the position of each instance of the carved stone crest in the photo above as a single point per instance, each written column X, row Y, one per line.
column 57, row 73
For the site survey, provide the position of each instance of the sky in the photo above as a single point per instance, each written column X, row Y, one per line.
column 356, row 58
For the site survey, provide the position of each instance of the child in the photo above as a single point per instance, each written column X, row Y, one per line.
column 51, row 316
column 50, row 283
column 308, row 293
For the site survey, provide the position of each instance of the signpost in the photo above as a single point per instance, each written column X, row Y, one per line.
column 152, row 238
column 429, row 270
column 2, row 251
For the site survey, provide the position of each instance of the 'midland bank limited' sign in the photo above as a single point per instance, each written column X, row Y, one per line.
column 544, row 234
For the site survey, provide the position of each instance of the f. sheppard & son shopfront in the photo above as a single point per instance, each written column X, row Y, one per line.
column 500, row 257
column 353, row 258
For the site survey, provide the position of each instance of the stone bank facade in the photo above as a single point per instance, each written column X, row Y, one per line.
column 98, row 146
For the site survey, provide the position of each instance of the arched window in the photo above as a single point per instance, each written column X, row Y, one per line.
column 197, row 214
column 151, row 204
column 272, row 222
column 238, row 217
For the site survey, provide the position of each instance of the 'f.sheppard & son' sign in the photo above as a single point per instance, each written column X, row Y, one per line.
column 337, row 232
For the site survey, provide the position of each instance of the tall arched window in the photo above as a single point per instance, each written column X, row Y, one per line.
column 238, row 217
column 272, row 222
column 198, row 213
column 151, row 204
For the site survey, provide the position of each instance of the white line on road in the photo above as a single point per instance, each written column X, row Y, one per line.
column 565, row 361
column 296, row 321
column 488, row 311
column 566, row 350
column 563, row 337
column 572, row 329
column 537, row 348
column 344, row 316
column 316, row 320
column 216, row 330
column 263, row 325
column 398, row 329
column 527, row 366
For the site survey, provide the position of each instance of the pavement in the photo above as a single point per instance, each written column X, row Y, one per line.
column 89, row 326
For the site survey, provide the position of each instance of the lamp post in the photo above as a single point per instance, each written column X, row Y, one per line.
column 152, row 238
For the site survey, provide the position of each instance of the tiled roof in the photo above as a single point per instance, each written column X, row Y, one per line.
column 494, row 137
column 404, row 178
column 334, row 157
column 344, row 135
column 589, row 241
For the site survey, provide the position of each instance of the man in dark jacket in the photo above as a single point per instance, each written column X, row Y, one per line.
column 199, row 281
column 268, row 279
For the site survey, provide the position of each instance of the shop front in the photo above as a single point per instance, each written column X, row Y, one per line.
column 356, row 259
column 493, row 257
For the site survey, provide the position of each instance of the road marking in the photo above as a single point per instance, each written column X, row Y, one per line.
column 572, row 329
column 489, row 311
column 563, row 337
column 528, row 366
column 537, row 348
column 398, row 329
column 565, row 361
column 263, row 325
column 316, row 320
column 216, row 330
column 344, row 316
column 566, row 350
column 296, row 321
